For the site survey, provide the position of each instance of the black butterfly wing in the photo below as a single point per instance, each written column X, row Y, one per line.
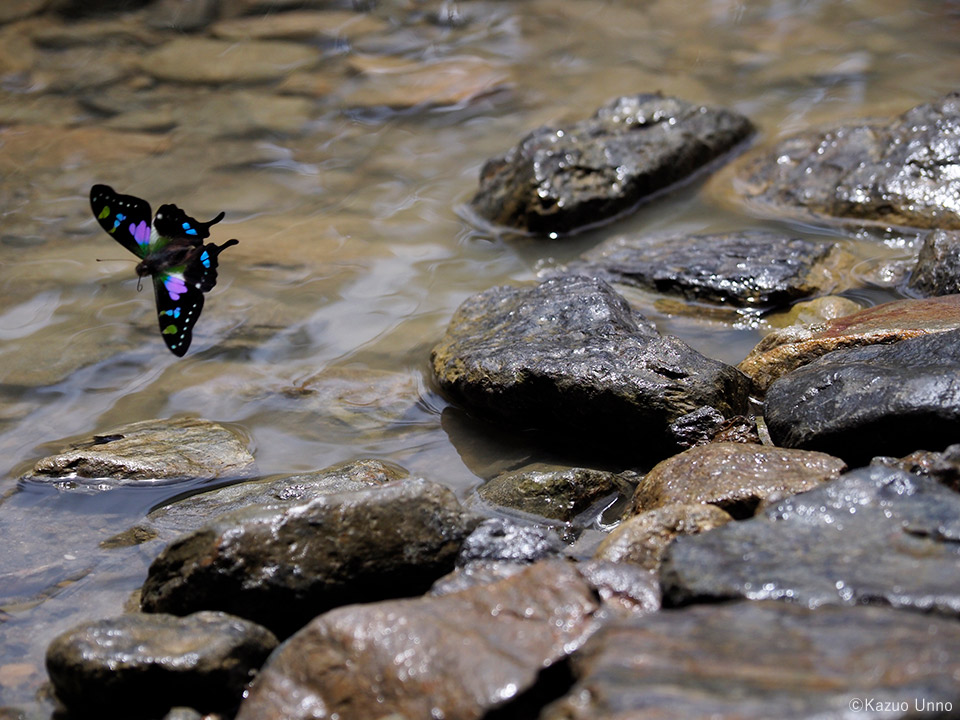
column 179, row 304
column 125, row 217
column 172, row 222
column 179, row 292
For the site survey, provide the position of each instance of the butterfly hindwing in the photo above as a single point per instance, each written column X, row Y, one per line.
column 180, row 290
column 179, row 304
column 125, row 217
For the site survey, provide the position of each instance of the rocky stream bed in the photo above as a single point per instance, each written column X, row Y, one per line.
column 776, row 539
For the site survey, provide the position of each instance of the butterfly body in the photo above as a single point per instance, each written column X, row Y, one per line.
column 171, row 252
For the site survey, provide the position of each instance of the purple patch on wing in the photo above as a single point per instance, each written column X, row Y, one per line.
column 141, row 232
column 175, row 286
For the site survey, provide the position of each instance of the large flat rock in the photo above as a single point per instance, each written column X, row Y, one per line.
column 743, row 269
column 570, row 357
column 282, row 566
column 756, row 661
column 874, row 536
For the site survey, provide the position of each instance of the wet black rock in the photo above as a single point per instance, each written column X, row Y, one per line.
column 880, row 399
column 938, row 265
column 282, row 566
column 554, row 492
column 148, row 452
column 560, row 178
column 755, row 661
column 569, row 357
column 143, row 665
column 742, row 269
column 874, row 536
column 705, row 425
column 901, row 172
column 455, row 656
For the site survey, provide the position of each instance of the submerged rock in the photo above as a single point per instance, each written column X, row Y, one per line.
column 784, row 350
column 205, row 60
column 643, row 538
column 148, row 452
column 569, row 356
column 874, row 536
column 755, row 661
column 901, row 172
column 143, row 665
column 282, row 566
column 735, row 477
column 560, row 178
column 743, row 269
column 881, row 399
column 553, row 492
column 938, row 265
column 457, row 656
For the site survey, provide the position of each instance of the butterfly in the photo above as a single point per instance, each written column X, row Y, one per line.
column 171, row 251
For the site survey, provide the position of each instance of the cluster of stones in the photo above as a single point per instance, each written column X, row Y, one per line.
column 828, row 522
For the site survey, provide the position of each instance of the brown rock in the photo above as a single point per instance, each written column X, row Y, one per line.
column 785, row 350
column 299, row 25
column 733, row 476
column 455, row 656
column 643, row 538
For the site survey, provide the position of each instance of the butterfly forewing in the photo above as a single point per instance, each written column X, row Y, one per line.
column 172, row 222
column 125, row 217
column 178, row 306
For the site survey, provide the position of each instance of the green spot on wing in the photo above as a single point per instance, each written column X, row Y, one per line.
column 169, row 330
column 104, row 213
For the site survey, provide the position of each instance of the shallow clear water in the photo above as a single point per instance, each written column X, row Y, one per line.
column 355, row 248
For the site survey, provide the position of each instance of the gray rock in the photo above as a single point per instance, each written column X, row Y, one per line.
column 735, row 477
column 498, row 539
column 558, row 179
column 751, row 269
column 874, row 536
column 755, row 661
column 148, row 452
column 938, row 265
column 197, row 510
column 155, row 662
column 455, row 656
column 789, row 348
column 282, row 566
column 861, row 402
column 705, row 425
column 553, row 492
column 623, row 588
column 642, row 539
column 569, row 356
column 900, row 172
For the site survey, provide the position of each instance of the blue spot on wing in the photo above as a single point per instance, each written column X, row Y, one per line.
column 189, row 230
column 205, row 259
